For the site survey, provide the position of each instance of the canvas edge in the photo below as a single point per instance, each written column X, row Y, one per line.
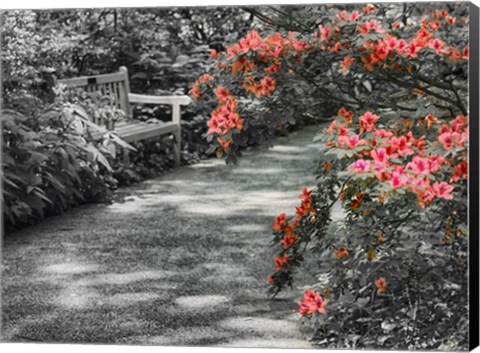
column 474, row 177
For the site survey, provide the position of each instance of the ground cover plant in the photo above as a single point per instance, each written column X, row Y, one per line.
column 391, row 272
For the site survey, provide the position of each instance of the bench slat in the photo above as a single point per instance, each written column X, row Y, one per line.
column 93, row 80
column 146, row 99
column 137, row 129
column 125, row 129
column 147, row 132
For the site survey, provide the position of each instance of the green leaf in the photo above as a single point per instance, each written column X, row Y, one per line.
column 102, row 160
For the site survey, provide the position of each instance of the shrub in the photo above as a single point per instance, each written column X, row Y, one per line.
column 49, row 165
column 390, row 267
column 398, row 253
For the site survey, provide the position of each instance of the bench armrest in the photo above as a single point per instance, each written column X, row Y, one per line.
column 146, row 99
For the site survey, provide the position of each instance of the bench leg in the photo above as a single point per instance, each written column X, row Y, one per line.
column 177, row 147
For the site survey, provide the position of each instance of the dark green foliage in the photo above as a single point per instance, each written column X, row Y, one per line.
column 50, row 163
column 48, row 166
column 165, row 49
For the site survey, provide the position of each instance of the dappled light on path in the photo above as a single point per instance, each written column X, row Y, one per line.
column 181, row 260
column 201, row 302
column 222, row 202
column 74, row 297
column 124, row 278
column 261, row 325
column 70, row 268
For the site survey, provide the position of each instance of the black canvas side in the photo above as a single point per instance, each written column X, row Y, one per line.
column 473, row 177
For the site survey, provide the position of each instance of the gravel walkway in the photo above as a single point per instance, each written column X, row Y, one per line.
column 182, row 261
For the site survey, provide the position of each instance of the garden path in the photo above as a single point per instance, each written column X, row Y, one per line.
column 182, row 261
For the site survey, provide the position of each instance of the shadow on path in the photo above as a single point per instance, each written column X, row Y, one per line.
column 183, row 261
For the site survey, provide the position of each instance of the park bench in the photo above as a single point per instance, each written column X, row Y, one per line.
column 116, row 86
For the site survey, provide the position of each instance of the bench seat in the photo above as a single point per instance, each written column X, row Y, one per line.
column 117, row 87
column 137, row 131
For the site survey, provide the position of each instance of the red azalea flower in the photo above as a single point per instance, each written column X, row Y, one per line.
column 312, row 303
column 381, row 284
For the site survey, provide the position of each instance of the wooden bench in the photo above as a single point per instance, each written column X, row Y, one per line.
column 117, row 87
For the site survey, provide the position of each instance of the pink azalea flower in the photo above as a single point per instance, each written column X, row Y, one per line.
column 399, row 179
column 350, row 142
column 361, row 166
column 404, row 146
column 437, row 45
column 443, row 190
column 380, row 155
column 459, row 123
column 420, row 184
column 436, row 162
column 331, row 127
column 401, row 46
column 374, row 25
column 368, row 121
column 382, row 133
column 426, row 196
column 412, row 49
column 444, row 128
column 460, row 171
column 214, row 125
column 391, row 43
column 342, row 15
column 419, row 165
column 355, row 16
column 447, row 140
column 368, row 26
column 380, row 168
column 324, row 32
column 342, row 130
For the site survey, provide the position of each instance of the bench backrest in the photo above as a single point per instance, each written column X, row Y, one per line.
column 116, row 86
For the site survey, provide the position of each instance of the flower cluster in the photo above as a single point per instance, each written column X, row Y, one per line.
column 268, row 50
column 312, row 303
column 281, row 261
column 225, row 118
column 255, row 58
column 286, row 229
column 264, row 87
column 196, row 91
column 259, row 63
column 403, row 161
column 305, row 207
column 455, row 134
column 388, row 47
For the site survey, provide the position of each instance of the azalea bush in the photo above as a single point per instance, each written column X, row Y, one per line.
column 398, row 241
column 382, row 237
